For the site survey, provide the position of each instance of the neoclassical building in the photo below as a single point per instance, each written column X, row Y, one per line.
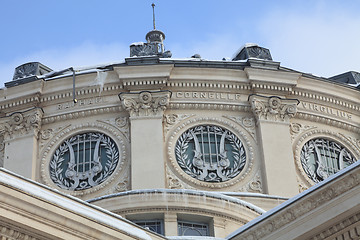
column 161, row 148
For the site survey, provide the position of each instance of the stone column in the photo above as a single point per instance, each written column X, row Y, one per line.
column 273, row 122
column 20, row 138
column 146, row 135
column 170, row 224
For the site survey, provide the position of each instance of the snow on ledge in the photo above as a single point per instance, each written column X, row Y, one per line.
column 185, row 192
column 70, row 203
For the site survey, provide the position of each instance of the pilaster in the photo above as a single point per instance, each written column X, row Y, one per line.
column 273, row 116
column 20, row 132
column 146, row 134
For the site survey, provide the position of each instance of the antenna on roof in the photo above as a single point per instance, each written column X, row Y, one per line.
column 153, row 7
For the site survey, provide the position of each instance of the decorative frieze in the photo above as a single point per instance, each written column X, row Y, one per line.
column 145, row 104
column 314, row 200
column 273, row 108
column 172, row 119
column 21, row 123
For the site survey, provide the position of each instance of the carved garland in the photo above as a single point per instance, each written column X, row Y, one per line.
column 196, row 170
column 316, row 133
column 48, row 152
column 57, row 168
column 174, row 166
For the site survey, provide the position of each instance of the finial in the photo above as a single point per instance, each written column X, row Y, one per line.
column 153, row 6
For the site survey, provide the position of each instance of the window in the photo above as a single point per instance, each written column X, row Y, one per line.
column 210, row 153
column 153, row 225
column 84, row 161
column 322, row 157
column 192, row 229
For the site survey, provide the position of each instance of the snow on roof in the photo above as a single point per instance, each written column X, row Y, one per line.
column 70, row 203
column 293, row 199
column 185, row 192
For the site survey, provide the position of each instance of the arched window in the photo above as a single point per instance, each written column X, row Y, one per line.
column 321, row 157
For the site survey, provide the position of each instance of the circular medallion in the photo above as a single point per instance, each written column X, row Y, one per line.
column 210, row 153
column 84, row 161
column 321, row 158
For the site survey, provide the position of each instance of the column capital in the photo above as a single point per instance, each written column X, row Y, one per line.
column 145, row 104
column 273, row 108
column 21, row 123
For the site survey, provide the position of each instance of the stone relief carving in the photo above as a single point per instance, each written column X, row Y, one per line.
column 221, row 122
column 122, row 123
column 2, row 150
column 145, row 104
column 247, row 122
column 273, row 108
column 174, row 182
column 297, row 128
column 255, row 185
column 46, row 134
column 346, row 141
column 21, row 123
column 172, row 119
column 299, row 209
column 124, row 184
column 62, row 135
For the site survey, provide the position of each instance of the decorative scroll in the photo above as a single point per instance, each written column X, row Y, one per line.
column 273, row 108
column 210, row 153
column 20, row 123
column 84, row 161
column 145, row 104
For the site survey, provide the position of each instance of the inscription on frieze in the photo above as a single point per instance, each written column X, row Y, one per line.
column 207, row 95
column 80, row 103
column 326, row 110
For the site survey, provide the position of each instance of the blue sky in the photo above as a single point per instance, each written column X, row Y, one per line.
column 318, row 37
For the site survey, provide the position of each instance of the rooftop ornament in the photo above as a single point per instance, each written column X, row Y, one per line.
column 154, row 45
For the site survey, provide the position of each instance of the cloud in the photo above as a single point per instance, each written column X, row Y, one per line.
column 322, row 41
column 86, row 54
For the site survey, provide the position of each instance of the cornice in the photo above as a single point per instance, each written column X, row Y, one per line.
column 83, row 113
column 210, row 106
column 10, row 232
column 193, row 210
column 325, row 98
column 328, row 121
column 314, row 198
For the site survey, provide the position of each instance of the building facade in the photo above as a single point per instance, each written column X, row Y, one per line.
column 181, row 147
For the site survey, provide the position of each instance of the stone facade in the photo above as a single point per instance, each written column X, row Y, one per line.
column 216, row 143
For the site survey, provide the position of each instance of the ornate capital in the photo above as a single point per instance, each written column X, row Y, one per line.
column 273, row 108
column 145, row 104
column 20, row 123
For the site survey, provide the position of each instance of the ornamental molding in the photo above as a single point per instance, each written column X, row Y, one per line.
column 145, row 104
column 14, row 103
column 2, row 150
column 9, row 233
column 173, row 182
column 208, row 85
column 329, row 121
column 348, row 142
column 273, row 108
column 344, row 229
column 297, row 129
column 326, row 99
column 81, row 114
column 179, row 129
column 86, row 92
column 248, row 123
column 210, row 106
column 19, row 124
column 58, row 138
column 191, row 211
column 123, row 185
column 172, row 119
column 309, row 203
column 122, row 123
